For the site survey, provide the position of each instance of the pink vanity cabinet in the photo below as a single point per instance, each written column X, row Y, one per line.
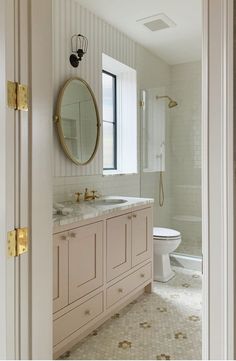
column 77, row 264
column 142, row 226
column 129, row 241
column 85, row 260
column 99, row 266
column 118, row 245
column 60, row 271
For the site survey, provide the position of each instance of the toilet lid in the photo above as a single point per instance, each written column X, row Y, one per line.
column 165, row 233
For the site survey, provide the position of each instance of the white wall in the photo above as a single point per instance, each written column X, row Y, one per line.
column 182, row 175
column 70, row 18
column 153, row 73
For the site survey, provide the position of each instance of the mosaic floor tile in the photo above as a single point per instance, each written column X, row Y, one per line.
column 164, row 325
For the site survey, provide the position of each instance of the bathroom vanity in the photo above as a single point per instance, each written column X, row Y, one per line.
column 102, row 261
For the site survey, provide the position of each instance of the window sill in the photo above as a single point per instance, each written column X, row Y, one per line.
column 116, row 172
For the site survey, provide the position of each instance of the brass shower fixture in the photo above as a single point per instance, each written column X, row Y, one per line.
column 172, row 103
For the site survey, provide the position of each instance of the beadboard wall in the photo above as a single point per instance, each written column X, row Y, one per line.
column 70, row 18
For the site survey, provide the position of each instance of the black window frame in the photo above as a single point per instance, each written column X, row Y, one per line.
column 114, row 119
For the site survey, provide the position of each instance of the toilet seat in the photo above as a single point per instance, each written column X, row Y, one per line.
column 165, row 234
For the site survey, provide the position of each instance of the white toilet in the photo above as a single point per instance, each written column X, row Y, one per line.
column 165, row 241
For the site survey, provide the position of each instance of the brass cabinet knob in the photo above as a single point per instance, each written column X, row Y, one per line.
column 130, row 217
column 142, row 275
column 63, row 238
column 73, row 235
column 87, row 312
column 134, row 215
column 120, row 290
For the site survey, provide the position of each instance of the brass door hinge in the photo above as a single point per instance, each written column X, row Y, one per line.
column 17, row 242
column 141, row 103
column 17, row 96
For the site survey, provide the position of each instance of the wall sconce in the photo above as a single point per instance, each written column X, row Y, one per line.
column 79, row 47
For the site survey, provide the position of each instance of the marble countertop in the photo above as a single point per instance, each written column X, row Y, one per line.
column 92, row 209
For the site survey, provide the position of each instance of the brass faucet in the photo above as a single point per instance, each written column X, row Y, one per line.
column 88, row 197
column 94, row 195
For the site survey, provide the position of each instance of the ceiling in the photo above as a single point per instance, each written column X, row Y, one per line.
column 175, row 45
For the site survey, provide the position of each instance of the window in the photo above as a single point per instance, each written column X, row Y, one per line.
column 119, row 117
column 109, row 121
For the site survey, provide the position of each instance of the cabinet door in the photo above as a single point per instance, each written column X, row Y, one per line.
column 85, row 260
column 118, row 245
column 141, row 235
column 60, row 271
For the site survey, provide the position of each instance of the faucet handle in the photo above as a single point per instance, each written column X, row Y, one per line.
column 86, row 194
column 78, row 194
column 94, row 195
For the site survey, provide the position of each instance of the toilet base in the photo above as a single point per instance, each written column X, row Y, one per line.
column 159, row 278
column 162, row 268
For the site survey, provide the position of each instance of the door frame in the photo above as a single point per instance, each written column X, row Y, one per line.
column 26, row 281
column 3, row 248
column 218, row 180
column 41, row 178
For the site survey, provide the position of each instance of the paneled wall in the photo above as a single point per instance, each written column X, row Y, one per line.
column 70, row 18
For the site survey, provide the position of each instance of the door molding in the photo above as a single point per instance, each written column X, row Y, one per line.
column 3, row 250
column 218, row 237
column 41, row 179
column 218, row 180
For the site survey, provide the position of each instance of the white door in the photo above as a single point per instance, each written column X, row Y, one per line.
column 25, row 162
column 15, row 180
column 16, row 153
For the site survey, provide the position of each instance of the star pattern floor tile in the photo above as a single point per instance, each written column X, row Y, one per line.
column 164, row 325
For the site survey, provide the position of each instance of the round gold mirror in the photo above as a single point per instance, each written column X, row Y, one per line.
column 77, row 120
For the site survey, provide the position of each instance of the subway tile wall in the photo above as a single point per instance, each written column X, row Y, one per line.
column 182, row 176
column 119, row 185
column 185, row 156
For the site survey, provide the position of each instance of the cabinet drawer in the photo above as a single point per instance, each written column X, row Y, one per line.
column 128, row 284
column 76, row 318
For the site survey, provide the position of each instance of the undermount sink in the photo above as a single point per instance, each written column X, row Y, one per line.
column 109, row 202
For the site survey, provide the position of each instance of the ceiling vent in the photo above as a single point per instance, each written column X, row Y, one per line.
column 157, row 22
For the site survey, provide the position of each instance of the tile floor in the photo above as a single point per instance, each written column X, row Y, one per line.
column 164, row 325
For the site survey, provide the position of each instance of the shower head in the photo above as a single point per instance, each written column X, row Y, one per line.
column 172, row 103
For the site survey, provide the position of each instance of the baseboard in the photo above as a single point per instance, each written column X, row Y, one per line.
column 184, row 261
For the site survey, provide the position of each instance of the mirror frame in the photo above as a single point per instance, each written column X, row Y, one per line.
column 58, row 121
